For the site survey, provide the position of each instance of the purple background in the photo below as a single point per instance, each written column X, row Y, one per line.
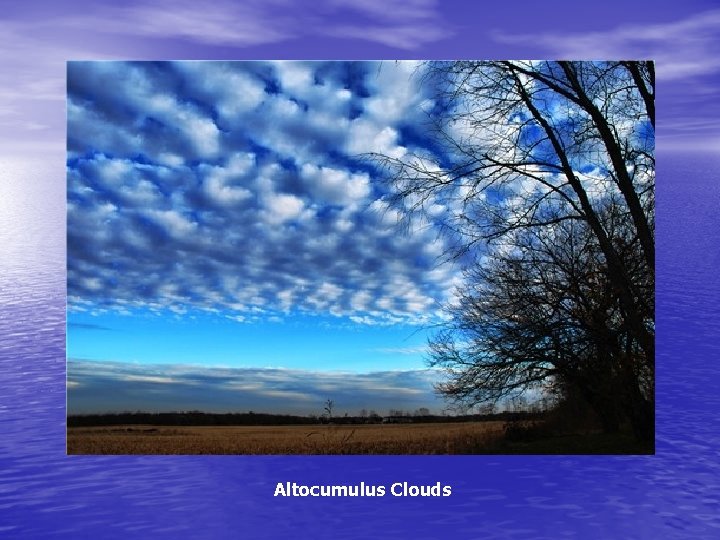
column 44, row 493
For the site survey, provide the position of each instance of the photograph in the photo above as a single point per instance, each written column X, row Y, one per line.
column 361, row 257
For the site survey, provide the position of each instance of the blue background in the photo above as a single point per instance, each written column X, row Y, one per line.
column 46, row 494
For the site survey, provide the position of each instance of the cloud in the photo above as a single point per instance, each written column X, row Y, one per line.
column 86, row 326
column 410, row 10
column 682, row 48
column 268, row 210
column 399, row 36
column 335, row 186
column 103, row 386
column 247, row 23
column 257, row 22
column 402, row 350
column 404, row 26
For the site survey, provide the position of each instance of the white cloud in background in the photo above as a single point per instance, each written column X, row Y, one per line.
column 173, row 204
column 103, row 386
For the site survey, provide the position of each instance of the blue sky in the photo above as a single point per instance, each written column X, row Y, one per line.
column 225, row 215
column 313, row 342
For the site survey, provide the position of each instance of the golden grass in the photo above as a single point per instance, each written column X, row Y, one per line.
column 432, row 438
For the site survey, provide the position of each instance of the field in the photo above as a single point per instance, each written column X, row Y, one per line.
column 431, row 438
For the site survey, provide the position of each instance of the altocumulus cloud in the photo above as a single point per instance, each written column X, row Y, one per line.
column 102, row 386
column 240, row 188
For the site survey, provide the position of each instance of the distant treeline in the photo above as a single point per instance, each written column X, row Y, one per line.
column 197, row 418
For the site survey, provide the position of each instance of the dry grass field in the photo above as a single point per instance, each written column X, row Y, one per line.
column 433, row 438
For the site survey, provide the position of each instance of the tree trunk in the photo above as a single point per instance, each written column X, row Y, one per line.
column 624, row 181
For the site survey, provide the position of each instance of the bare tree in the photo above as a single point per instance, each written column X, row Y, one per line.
column 328, row 408
column 546, row 182
column 544, row 316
